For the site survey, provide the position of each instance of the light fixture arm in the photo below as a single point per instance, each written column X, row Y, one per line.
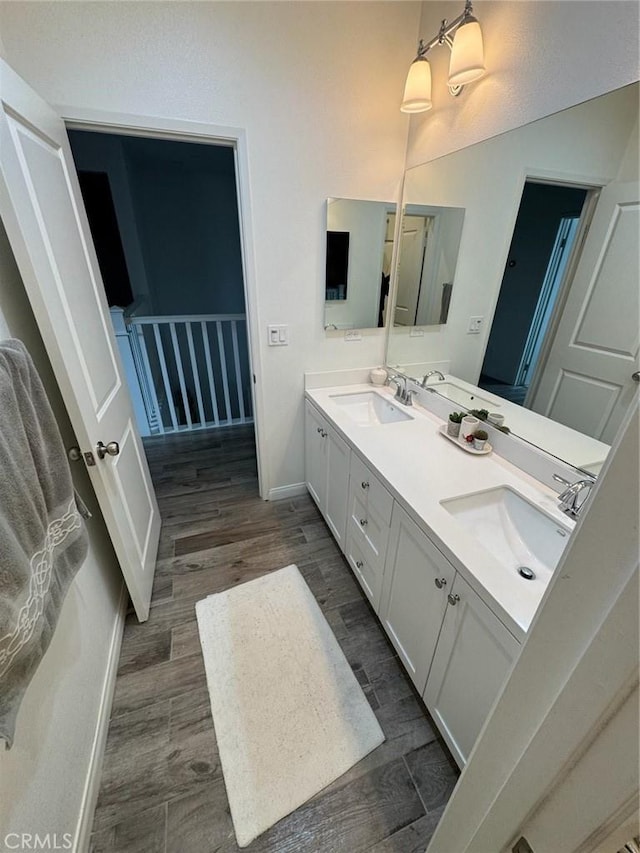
column 444, row 37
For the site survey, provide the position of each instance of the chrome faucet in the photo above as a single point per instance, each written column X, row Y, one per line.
column 403, row 394
column 569, row 498
column 423, row 384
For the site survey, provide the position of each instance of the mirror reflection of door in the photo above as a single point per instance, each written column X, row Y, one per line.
column 413, row 247
column 532, row 284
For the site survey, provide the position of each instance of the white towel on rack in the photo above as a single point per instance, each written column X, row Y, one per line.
column 43, row 541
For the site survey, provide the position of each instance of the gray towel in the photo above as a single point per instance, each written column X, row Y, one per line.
column 43, row 541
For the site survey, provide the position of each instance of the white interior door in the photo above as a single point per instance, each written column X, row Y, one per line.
column 42, row 209
column 412, row 247
column 586, row 382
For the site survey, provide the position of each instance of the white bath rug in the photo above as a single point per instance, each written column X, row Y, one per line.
column 289, row 714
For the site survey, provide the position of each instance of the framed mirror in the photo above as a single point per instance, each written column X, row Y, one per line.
column 359, row 251
column 543, row 323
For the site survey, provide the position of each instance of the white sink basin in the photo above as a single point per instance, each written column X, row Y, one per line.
column 370, row 409
column 462, row 397
column 515, row 531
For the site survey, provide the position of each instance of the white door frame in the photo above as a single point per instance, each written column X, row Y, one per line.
column 80, row 118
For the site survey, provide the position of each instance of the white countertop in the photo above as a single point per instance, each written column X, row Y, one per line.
column 421, row 468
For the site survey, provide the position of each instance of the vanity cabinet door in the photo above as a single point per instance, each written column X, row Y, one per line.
column 473, row 657
column 417, row 578
column 338, row 454
column 327, row 471
column 315, row 455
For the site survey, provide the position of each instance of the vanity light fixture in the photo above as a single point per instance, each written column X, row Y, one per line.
column 463, row 37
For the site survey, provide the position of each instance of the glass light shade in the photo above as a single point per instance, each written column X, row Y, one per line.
column 467, row 54
column 417, row 89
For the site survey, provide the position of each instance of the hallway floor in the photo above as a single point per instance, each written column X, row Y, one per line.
column 162, row 787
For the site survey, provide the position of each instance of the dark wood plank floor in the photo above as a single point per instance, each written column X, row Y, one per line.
column 162, row 787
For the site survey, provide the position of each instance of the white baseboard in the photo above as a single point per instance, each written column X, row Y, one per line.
column 94, row 772
column 281, row 493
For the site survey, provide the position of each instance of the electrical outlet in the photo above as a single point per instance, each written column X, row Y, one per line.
column 278, row 336
column 352, row 335
column 475, row 324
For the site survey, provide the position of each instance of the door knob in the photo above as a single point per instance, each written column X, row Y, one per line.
column 111, row 449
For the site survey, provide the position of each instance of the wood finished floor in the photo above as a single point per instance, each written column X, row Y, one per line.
column 162, row 787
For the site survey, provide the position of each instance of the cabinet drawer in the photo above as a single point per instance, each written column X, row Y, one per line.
column 374, row 494
column 368, row 572
column 371, row 530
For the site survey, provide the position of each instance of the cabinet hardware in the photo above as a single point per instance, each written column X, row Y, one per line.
column 359, row 564
column 111, row 449
column 364, row 484
column 440, row 582
column 453, row 599
column 319, row 430
column 636, row 376
column 363, row 522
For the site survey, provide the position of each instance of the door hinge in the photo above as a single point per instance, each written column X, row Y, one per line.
column 254, row 378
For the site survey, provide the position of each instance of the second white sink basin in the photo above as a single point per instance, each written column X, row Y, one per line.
column 516, row 532
column 370, row 409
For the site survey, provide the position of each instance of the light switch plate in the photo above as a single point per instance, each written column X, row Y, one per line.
column 352, row 335
column 475, row 324
column 278, row 336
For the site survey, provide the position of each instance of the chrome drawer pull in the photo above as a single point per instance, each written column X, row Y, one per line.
column 359, row 564
column 363, row 522
column 364, row 484
column 453, row 599
column 440, row 582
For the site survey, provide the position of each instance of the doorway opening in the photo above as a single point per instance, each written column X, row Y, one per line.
column 165, row 223
column 538, row 266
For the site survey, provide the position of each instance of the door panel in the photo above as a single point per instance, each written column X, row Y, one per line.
column 596, row 346
column 42, row 209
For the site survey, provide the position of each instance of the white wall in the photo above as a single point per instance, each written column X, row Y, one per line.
column 586, row 143
column 366, row 223
column 541, row 57
column 315, row 85
column 43, row 777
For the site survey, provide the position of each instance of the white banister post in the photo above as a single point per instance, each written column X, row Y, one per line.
column 124, row 347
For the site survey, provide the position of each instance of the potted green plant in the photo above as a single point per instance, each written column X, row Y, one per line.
column 479, row 439
column 453, row 426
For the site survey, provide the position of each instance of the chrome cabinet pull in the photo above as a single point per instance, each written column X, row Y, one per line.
column 363, row 522
column 440, row 582
column 319, row 430
column 636, row 376
column 359, row 564
column 364, row 484
column 111, row 449
column 453, row 599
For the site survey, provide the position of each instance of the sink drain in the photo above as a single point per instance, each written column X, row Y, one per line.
column 527, row 573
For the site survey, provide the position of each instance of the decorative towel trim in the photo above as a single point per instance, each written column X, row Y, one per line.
column 41, row 564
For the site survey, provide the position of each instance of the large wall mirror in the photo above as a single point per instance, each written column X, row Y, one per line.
column 358, row 263
column 543, row 318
